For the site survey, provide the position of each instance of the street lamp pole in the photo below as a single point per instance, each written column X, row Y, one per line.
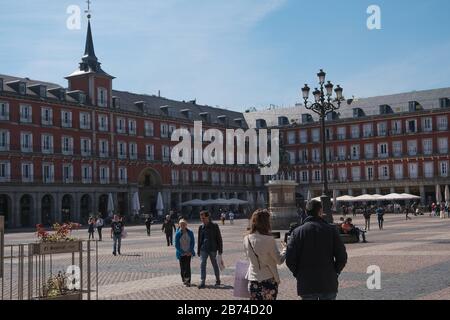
column 322, row 106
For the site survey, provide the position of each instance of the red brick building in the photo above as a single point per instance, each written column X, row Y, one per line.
column 63, row 151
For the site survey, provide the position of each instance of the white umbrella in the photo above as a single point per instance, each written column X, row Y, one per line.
column 193, row 203
column 345, row 198
column 110, row 205
column 438, row 194
column 159, row 204
column 447, row 194
column 334, row 199
column 392, row 196
column 136, row 204
column 236, row 201
column 408, row 196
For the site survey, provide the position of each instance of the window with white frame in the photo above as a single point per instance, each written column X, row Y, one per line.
column 47, row 143
column 412, row 147
column 4, row 110
column 164, row 130
column 355, row 152
column 26, row 142
column 315, row 135
column 104, row 175
column 413, row 170
column 368, row 130
column 25, row 113
column 356, row 173
column 86, row 174
column 398, row 170
column 303, row 155
column 123, row 175
column 342, row 133
column 427, row 124
column 4, row 140
column 383, row 172
column 67, row 145
column 317, row 176
column 85, row 120
column 149, row 129
column 342, row 153
column 330, row 154
column 5, row 171
column 122, row 150
column 303, row 136
column 428, row 169
column 411, row 126
column 47, row 116
column 397, row 147
column 165, row 153
column 48, row 173
column 329, row 134
column 442, row 122
column 355, row 131
column 382, row 129
column 304, row 176
column 330, row 175
column 150, row 152
column 443, row 168
column 443, row 145
column 102, row 122
column 121, row 126
column 172, row 128
column 195, row 176
column 368, row 151
column 383, row 150
column 102, row 97
column 369, row 173
column 316, row 155
column 27, row 172
column 131, row 126
column 67, row 171
column 103, row 148
column 342, row 174
column 291, row 137
column 291, row 157
column 396, row 127
column 427, row 146
column 85, row 147
column 66, row 119
column 133, row 150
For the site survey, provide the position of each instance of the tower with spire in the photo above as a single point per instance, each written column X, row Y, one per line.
column 90, row 78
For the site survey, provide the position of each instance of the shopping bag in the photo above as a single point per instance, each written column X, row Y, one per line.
column 220, row 262
column 240, row 282
column 124, row 234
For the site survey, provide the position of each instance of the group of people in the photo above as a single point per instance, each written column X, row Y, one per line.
column 95, row 223
column 441, row 210
column 223, row 217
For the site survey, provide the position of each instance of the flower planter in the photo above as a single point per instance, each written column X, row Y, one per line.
column 57, row 247
column 69, row 296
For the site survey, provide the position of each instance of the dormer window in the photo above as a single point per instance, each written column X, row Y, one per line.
column 102, row 97
column 205, row 116
column 43, row 91
column 283, row 121
column 39, row 90
column 412, row 105
column 358, row 113
column 116, row 102
column 222, row 119
column 443, row 102
column 239, row 121
column 187, row 113
column 261, row 124
column 22, row 88
column 307, row 118
column 385, row 109
column 59, row 93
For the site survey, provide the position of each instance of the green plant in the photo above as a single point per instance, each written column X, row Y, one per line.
column 56, row 286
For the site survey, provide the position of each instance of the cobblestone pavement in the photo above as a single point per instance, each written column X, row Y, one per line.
column 414, row 258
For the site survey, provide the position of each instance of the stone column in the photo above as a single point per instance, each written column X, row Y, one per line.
column 282, row 203
column 423, row 199
column 37, row 212
column 95, row 202
column 13, row 213
column 58, row 207
column 77, row 205
column 17, row 219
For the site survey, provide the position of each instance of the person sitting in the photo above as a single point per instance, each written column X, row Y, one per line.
column 348, row 228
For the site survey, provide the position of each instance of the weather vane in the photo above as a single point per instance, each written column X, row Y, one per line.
column 88, row 11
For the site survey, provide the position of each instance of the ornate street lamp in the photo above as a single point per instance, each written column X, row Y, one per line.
column 322, row 106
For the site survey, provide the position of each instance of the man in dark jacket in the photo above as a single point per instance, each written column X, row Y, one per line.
column 316, row 256
column 209, row 243
column 168, row 227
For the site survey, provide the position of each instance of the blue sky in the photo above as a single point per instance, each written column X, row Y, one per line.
column 235, row 53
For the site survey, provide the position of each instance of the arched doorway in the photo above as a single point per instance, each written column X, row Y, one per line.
column 103, row 205
column 47, row 209
column 149, row 185
column 66, row 208
column 85, row 208
column 5, row 207
column 26, row 210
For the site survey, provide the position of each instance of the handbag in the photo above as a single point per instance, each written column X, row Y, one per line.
column 240, row 289
column 220, row 262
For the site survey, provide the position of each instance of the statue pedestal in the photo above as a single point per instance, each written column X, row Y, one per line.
column 282, row 203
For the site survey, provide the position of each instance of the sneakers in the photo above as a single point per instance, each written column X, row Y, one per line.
column 114, row 253
column 202, row 286
column 217, row 283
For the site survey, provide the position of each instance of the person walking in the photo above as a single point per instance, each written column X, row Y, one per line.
column 367, row 215
column 316, row 256
column 168, row 228
column 223, row 216
column 99, row 224
column 148, row 224
column 264, row 256
column 91, row 228
column 184, row 244
column 117, row 228
column 209, row 244
column 231, row 217
column 380, row 214
column 407, row 213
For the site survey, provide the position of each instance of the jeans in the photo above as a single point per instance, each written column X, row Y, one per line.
column 148, row 230
column 99, row 230
column 204, row 257
column 169, row 238
column 367, row 224
column 117, row 241
column 319, row 296
column 380, row 223
column 185, row 268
